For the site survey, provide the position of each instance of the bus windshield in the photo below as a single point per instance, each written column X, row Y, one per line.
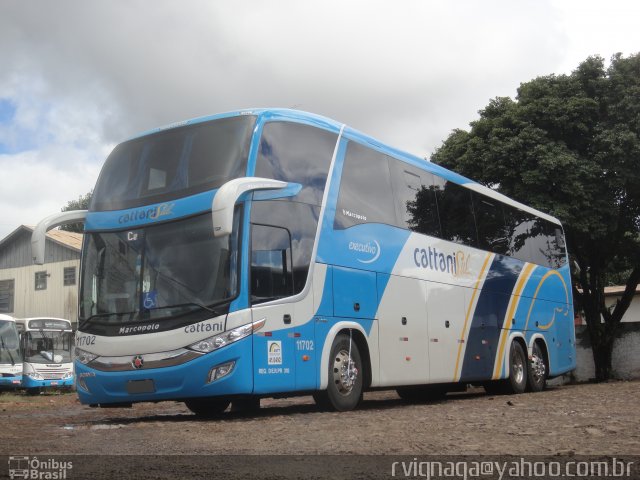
column 174, row 163
column 9, row 345
column 157, row 272
column 46, row 346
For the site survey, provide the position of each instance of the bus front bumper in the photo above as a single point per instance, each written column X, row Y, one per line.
column 13, row 381
column 179, row 382
column 29, row 382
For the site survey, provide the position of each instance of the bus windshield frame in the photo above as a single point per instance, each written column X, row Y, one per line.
column 175, row 273
column 9, row 343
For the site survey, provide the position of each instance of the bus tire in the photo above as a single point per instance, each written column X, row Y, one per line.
column 422, row 393
column 537, row 369
column 517, row 381
column 207, row 407
column 344, row 387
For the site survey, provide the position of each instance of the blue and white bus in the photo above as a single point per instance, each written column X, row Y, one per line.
column 273, row 252
column 47, row 349
column 10, row 356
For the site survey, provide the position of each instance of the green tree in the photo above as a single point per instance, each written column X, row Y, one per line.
column 570, row 145
column 82, row 203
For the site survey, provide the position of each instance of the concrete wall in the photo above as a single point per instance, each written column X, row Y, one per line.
column 626, row 354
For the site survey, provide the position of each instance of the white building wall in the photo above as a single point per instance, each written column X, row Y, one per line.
column 56, row 301
column 633, row 312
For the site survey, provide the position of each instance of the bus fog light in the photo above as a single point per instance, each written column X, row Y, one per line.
column 82, row 383
column 216, row 373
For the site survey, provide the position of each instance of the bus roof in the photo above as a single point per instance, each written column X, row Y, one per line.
column 353, row 134
column 7, row 318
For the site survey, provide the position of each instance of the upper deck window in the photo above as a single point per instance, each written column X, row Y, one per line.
column 365, row 190
column 293, row 152
column 174, row 163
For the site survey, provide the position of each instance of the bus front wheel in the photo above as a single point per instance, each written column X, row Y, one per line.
column 344, row 388
column 518, row 366
column 207, row 407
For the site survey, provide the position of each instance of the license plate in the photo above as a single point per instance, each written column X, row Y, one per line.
column 54, row 384
column 140, row 386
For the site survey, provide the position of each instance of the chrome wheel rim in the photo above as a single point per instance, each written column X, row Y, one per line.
column 538, row 368
column 517, row 367
column 345, row 372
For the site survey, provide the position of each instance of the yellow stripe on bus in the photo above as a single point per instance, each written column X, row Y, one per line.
column 468, row 314
column 508, row 320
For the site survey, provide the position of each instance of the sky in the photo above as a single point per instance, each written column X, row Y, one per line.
column 77, row 77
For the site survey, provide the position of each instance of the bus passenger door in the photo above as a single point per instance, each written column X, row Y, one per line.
column 271, row 278
column 403, row 333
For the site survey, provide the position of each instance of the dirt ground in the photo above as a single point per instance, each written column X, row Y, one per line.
column 589, row 419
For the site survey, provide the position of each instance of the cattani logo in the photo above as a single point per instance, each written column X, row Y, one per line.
column 370, row 251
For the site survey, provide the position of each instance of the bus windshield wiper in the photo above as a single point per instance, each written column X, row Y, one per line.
column 4, row 347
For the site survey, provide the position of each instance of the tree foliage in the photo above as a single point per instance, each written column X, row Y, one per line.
column 570, row 145
column 82, row 203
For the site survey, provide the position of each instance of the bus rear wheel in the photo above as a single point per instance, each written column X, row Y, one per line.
column 207, row 407
column 344, row 388
column 537, row 370
column 517, row 381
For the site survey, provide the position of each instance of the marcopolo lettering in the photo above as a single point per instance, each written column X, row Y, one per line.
column 151, row 213
column 139, row 329
column 357, row 216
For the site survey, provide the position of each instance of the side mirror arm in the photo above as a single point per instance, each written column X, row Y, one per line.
column 226, row 197
column 38, row 237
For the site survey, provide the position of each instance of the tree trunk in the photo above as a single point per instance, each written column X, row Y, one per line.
column 602, row 355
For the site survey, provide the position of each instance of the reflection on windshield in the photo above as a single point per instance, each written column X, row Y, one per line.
column 174, row 163
column 157, row 272
column 48, row 347
column 9, row 345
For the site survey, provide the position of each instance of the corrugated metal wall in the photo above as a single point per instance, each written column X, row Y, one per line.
column 17, row 252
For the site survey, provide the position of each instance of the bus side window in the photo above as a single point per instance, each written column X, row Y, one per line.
column 271, row 268
column 365, row 189
column 492, row 230
column 415, row 199
column 456, row 214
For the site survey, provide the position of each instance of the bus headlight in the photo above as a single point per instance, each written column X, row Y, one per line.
column 83, row 356
column 214, row 343
column 67, row 376
column 30, row 372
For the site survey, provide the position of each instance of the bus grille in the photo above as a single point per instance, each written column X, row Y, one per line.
column 52, row 374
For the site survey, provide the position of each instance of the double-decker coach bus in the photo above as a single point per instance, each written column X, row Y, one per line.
column 10, row 356
column 274, row 252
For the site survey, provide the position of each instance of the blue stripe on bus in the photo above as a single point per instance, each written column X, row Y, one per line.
column 488, row 318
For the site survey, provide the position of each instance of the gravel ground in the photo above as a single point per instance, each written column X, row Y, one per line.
column 589, row 419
